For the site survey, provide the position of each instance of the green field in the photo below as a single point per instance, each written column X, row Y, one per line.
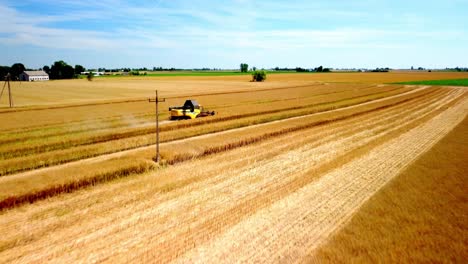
column 184, row 73
column 197, row 73
column 455, row 82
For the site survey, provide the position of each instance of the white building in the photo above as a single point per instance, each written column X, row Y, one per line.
column 93, row 73
column 31, row 76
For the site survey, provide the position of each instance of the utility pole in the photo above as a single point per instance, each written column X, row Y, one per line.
column 157, row 101
column 7, row 81
column 9, row 91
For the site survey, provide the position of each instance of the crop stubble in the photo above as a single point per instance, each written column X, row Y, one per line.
column 47, row 182
column 199, row 218
column 143, row 136
column 287, row 230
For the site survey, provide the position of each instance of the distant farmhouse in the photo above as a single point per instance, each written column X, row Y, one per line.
column 93, row 73
column 31, row 76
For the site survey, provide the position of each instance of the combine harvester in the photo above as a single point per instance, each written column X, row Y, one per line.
column 190, row 110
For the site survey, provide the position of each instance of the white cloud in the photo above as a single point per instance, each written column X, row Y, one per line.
column 236, row 27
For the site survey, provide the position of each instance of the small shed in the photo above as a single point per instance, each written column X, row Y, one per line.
column 31, row 76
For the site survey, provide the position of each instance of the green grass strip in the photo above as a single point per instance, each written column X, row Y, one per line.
column 453, row 82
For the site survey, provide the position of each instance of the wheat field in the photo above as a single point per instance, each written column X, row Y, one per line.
column 279, row 174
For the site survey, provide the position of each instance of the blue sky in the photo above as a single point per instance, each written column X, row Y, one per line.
column 223, row 34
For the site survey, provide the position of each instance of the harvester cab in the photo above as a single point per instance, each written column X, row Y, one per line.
column 190, row 110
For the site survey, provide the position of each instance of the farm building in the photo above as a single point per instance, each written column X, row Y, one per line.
column 93, row 73
column 31, row 76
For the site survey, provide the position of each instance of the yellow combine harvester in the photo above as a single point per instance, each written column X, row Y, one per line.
column 190, row 110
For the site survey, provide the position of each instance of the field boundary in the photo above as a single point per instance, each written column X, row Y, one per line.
column 447, row 82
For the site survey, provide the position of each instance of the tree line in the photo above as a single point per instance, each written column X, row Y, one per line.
column 58, row 70
column 300, row 69
column 457, row 69
column 14, row 70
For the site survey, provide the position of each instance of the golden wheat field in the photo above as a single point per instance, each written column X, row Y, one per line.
column 300, row 168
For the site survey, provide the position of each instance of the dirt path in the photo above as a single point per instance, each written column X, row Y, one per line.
column 297, row 224
column 136, row 150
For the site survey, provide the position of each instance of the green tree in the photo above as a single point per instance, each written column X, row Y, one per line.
column 259, row 76
column 46, row 69
column 79, row 69
column 4, row 70
column 68, row 72
column 61, row 70
column 90, row 76
column 16, row 69
column 56, row 70
column 244, row 67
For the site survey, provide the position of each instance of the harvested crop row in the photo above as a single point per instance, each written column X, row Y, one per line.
column 287, row 231
column 111, row 170
column 139, row 219
column 184, row 151
column 297, row 121
column 238, row 92
column 236, row 109
column 78, row 128
column 270, row 146
column 171, row 246
column 61, row 156
column 38, row 186
column 15, row 122
column 119, row 155
column 425, row 203
column 35, row 145
column 103, row 123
